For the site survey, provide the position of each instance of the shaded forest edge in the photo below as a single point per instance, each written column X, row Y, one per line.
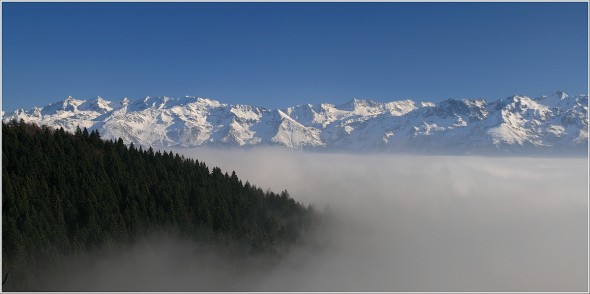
column 68, row 194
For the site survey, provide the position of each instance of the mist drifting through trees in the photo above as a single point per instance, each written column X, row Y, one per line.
column 392, row 223
column 431, row 223
column 75, row 195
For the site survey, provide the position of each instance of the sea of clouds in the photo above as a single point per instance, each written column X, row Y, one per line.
column 398, row 223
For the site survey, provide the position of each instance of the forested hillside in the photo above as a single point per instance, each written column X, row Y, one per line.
column 65, row 194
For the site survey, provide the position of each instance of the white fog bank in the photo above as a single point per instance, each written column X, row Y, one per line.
column 427, row 223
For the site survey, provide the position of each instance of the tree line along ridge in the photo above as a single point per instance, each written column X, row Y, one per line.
column 67, row 194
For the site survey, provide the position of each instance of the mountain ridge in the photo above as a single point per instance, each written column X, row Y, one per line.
column 518, row 123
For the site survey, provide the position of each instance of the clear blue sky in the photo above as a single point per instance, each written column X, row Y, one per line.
column 282, row 54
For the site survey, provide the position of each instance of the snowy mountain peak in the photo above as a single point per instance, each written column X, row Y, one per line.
column 70, row 104
column 124, row 102
column 514, row 124
column 562, row 95
column 356, row 104
column 98, row 104
column 208, row 102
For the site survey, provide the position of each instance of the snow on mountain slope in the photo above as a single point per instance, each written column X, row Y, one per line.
column 518, row 123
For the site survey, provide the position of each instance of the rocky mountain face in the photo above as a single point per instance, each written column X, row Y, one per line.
column 518, row 124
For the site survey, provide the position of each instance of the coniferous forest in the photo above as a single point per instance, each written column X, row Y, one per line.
column 66, row 194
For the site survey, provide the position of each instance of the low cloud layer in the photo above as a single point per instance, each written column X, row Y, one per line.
column 400, row 223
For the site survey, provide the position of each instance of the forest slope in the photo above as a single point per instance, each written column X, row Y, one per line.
column 67, row 194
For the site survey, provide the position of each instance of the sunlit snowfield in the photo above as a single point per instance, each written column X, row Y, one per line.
column 427, row 223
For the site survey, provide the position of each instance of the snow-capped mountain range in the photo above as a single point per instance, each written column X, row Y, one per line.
column 515, row 124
